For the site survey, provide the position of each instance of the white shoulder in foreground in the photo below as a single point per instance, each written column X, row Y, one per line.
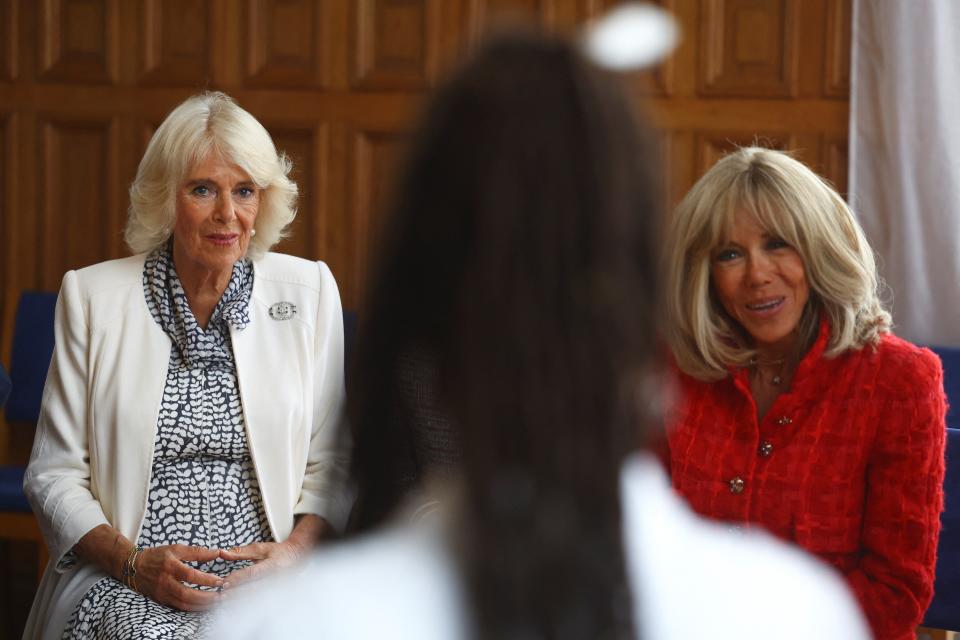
column 398, row 584
column 698, row 579
column 690, row 579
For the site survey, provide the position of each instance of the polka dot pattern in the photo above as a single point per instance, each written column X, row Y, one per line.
column 203, row 487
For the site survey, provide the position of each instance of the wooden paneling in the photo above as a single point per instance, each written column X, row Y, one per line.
column 284, row 43
column 835, row 163
column 8, row 40
column 749, row 48
column 174, row 38
column 395, row 43
column 306, row 147
column 79, row 216
column 558, row 15
column 83, row 83
column 7, row 177
column 484, row 13
column 78, row 40
column 836, row 72
column 374, row 160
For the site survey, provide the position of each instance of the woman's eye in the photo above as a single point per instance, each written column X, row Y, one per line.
column 726, row 255
column 200, row 190
column 776, row 243
column 246, row 192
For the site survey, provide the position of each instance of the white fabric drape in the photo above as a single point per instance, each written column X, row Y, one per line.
column 905, row 157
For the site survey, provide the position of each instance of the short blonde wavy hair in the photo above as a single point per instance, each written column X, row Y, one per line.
column 786, row 199
column 205, row 123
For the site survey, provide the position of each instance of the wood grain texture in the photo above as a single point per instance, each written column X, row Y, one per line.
column 339, row 83
column 395, row 44
column 78, row 40
column 175, row 38
column 285, row 43
column 749, row 48
column 836, row 71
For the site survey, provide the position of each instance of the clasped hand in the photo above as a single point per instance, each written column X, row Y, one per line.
column 161, row 572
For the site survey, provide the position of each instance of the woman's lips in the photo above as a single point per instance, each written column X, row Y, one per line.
column 222, row 239
column 766, row 307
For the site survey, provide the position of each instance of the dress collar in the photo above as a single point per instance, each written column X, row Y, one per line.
column 164, row 290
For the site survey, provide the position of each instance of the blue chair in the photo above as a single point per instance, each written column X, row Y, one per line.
column 30, row 359
column 944, row 611
column 950, row 356
column 4, row 386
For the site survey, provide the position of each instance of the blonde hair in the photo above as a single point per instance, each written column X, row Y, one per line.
column 789, row 200
column 208, row 123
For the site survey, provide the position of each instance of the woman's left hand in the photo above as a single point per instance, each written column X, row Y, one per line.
column 266, row 557
column 269, row 556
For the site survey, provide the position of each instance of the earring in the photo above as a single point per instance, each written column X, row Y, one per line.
column 253, row 232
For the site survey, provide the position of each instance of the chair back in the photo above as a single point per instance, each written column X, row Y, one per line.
column 31, row 354
column 944, row 611
column 950, row 356
column 4, row 386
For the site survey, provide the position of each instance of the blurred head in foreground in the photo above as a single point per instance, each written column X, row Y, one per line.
column 521, row 250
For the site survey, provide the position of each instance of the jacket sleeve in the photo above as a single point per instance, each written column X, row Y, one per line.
column 57, row 480
column 894, row 581
column 327, row 489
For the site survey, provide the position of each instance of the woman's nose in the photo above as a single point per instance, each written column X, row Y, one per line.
column 225, row 210
column 759, row 270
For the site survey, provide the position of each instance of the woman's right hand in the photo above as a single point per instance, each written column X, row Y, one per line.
column 161, row 572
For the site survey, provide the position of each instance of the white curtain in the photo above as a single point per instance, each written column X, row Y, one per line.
column 905, row 157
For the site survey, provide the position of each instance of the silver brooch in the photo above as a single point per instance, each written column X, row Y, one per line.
column 283, row 310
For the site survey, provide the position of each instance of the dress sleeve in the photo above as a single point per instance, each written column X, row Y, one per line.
column 327, row 490
column 894, row 581
column 57, row 480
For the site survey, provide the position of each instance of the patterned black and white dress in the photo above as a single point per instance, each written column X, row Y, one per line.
column 203, row 489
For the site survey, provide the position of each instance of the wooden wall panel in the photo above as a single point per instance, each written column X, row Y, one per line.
column 7, row 177
column 836, row 72
column 8, row 40
column 835, row 162
column 78, row 40
column 307, row 149
column 558, row 15
column 285, row 43
column 175, row 38
column 749, row 48
column 83, row 83
column 395, row 43
column 80, row 218
column 374, row 161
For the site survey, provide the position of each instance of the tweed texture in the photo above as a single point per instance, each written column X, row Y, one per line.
column 848, row 463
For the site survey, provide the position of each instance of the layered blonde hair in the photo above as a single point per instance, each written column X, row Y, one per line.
column 787, row 200
column 208, row 123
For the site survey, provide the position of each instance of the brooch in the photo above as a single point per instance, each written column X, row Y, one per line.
column 283, row 310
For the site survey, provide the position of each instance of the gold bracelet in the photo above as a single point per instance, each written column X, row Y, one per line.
column 129, row 572
column 133, row 568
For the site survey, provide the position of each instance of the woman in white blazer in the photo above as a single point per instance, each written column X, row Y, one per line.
column 191, row 433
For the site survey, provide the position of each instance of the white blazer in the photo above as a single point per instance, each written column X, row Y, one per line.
column 92, row 453
column 688, row 578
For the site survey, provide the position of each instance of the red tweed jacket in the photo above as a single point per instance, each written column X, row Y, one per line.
column 848, row 463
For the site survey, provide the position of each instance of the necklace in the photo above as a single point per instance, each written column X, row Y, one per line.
column 777, row 378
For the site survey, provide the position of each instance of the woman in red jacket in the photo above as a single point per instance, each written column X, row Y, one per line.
column 798, row 410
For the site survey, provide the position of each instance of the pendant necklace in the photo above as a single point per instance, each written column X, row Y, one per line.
column 777, row 378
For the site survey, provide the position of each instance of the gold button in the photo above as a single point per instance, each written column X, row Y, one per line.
column 766, row 448
column 736, row 485
column 784, row 420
